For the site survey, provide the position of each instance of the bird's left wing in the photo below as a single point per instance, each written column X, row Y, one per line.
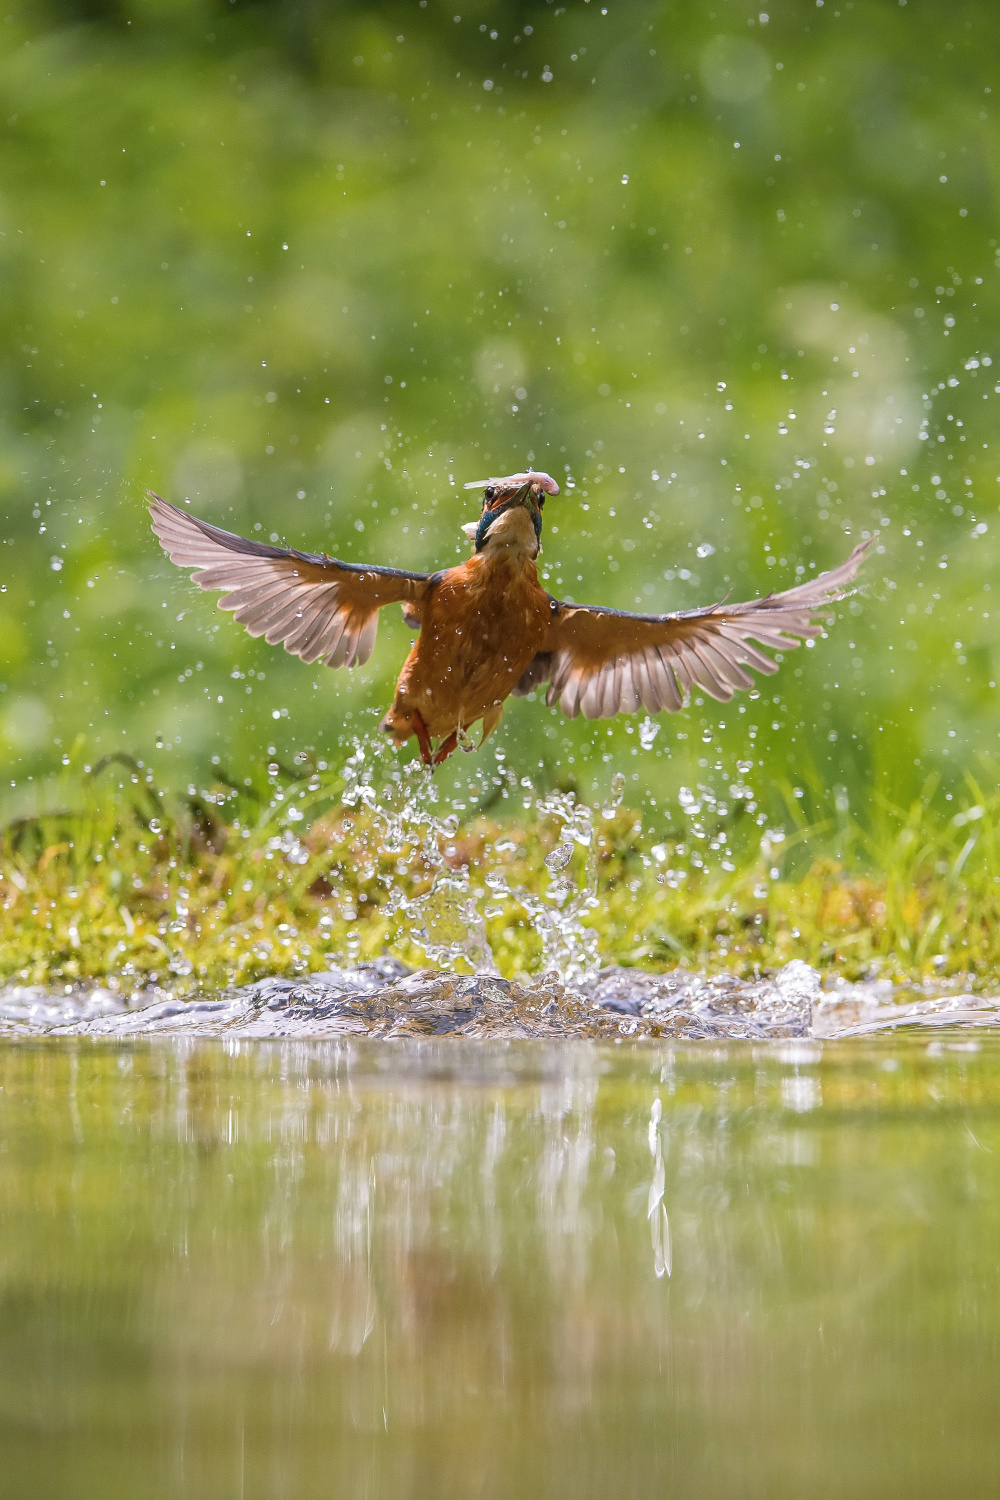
column 317, row 607
column 604, row 661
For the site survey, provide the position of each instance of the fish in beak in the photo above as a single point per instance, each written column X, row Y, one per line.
column 529, row 489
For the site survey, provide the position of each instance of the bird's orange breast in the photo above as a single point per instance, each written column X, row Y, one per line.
column 482, row 625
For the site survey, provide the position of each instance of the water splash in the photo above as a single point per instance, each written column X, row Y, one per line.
column 385, row 1000
column 449, row 920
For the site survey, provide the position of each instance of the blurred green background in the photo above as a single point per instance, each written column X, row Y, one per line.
column 731, row 276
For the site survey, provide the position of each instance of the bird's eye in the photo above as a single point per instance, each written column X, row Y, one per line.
column 491, row 493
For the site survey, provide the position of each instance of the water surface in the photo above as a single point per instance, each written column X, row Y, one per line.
column 446, row 1267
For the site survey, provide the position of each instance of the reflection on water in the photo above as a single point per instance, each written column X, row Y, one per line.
column 446, row 1268
column 657, row 1212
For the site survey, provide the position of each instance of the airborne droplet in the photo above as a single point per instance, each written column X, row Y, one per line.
column 559, row 858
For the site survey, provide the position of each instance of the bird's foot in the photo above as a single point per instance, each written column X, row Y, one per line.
column 464, row 739
column 423, row 739
column 446, row 747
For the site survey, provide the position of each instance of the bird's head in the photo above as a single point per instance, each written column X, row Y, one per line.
column 516, row 492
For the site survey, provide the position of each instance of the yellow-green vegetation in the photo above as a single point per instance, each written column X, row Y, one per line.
column 228, row 886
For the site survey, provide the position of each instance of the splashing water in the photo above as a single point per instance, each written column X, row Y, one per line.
column 449, row 920
column 383, row 999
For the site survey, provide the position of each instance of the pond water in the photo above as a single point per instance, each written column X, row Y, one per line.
column 451, row 1267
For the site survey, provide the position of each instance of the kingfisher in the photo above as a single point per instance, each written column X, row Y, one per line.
column 487, row 629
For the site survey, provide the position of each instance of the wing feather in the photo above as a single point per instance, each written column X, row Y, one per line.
column 742, row 653
column 571, row 694
column 592, row 696
column 283, row 622
column 715, row 679
column 630, row 699
column 324, row 631
column 315, row 618
column 728, row 671
column 644, row 687
column 539, row 671
column 366, row 641
column 318, row 607
column 602, row 661
column 671, row 689
column 682, row 669
column 259, row 616
column 338, row 654
column 612, row 688
column 249, row 599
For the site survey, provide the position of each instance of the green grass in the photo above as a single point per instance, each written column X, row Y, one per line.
column 119, row 884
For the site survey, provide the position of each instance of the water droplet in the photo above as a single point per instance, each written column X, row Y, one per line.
column 617, row 793
column 559, row 858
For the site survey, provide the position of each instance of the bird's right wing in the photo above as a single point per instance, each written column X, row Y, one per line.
column 319, row 608
column 600, row 662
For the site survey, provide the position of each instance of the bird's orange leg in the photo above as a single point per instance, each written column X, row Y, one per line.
column 423, row 739
column 446, row 747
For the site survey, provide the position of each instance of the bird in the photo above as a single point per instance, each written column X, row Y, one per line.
column 487, row 629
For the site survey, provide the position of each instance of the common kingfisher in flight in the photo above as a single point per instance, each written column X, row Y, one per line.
column 488, row 628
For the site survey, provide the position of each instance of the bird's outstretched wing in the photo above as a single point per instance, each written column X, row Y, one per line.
column 601, row 662
column 317, row 607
